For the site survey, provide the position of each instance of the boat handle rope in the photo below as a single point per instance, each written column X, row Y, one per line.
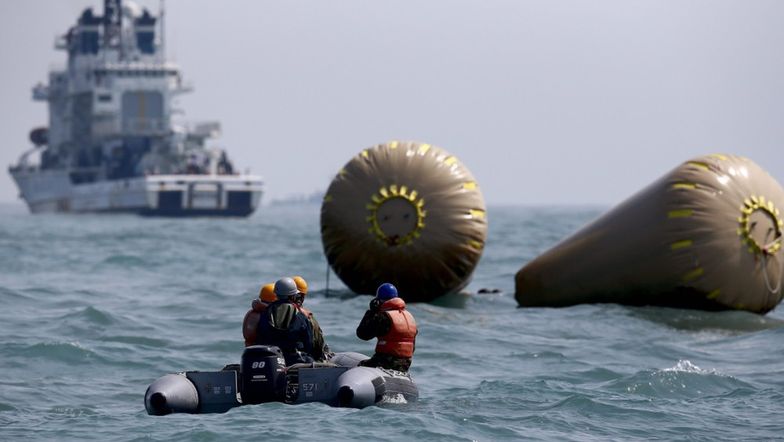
column 767, row 278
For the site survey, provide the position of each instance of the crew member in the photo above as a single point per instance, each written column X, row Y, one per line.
column 388, row 320
column 320, row 348
column 251, row 321
column 283, row 325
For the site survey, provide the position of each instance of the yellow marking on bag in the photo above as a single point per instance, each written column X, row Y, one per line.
column 327, row 198
column 719, row 156
column 477, row 213
column 423, row 149
column 681, row 244
column 694, row 274
column 474, row 244
column 684, row 186
column 714, row 294
column 450, row 161
column 364, row 153
column 393, row 145
column 699, row 164
column 681, row 213
column 469, row 185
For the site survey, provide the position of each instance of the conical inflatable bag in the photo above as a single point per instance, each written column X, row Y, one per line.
column 406, row 213
column 708, row 235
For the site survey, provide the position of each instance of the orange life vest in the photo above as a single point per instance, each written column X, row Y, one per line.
column 305, row 311
column 399, row 341
column 251, row 321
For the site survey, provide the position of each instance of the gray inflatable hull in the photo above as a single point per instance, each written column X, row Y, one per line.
column 341, row 383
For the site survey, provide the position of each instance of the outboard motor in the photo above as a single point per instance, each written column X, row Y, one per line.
column 262, row 374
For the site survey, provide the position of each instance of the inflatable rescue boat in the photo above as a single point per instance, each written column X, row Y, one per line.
column 262, row 376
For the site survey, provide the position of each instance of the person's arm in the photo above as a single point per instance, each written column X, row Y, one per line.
column 374, row 324
column 318, row 340
column 365, row 327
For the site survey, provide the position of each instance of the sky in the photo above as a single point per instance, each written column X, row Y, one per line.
column 546, row 102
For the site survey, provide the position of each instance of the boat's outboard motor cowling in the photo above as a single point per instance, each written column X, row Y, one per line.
column 262, row 373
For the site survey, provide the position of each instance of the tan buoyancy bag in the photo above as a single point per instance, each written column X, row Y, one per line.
column 406, row 213
column 707, row 235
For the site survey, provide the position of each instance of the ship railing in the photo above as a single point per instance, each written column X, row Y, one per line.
column 24, row 163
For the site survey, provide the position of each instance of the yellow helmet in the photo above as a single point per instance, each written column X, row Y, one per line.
column 302, row 285
column 267, row 293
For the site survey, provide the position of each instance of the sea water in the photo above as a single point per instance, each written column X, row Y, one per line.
column 96, row 307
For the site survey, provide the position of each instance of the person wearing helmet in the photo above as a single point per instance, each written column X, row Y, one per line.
column 320, row 348
column 251, row 321
column 388, row 320
column 283, row 325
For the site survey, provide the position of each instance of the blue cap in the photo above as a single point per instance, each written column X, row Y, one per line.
column 386, row 291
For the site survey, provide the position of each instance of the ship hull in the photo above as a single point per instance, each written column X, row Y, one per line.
column 51, row 191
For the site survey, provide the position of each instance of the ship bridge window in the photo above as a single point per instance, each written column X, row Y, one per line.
column 142, row 111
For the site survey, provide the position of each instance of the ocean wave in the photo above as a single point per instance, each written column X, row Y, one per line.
column 683, row 380
column 68, row 352
column 684, row 365
column 89, row 315
column 41, row 292
column 125, row 261
column 72, row 411
column 137, row 340
column 9, row 295
column 725, row 322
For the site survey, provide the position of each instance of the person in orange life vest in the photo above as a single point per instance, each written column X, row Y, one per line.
column 388, row 320
column 284, row 326
column 318, row 335
column 251, row 321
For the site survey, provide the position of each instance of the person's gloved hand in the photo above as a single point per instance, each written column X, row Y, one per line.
column 256, row 304
column 375, row 304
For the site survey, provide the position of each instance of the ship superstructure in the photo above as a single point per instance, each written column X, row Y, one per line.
column 111, row 144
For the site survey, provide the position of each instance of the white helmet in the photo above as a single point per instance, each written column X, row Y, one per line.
column 285, row 288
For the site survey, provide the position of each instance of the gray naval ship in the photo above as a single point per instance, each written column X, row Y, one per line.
column 111, row 144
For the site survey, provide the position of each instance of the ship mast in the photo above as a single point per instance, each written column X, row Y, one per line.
column 112, row 23
column 162, row 37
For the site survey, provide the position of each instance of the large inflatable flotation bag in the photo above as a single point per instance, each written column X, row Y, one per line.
column 707, row 235
column 406, row 213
